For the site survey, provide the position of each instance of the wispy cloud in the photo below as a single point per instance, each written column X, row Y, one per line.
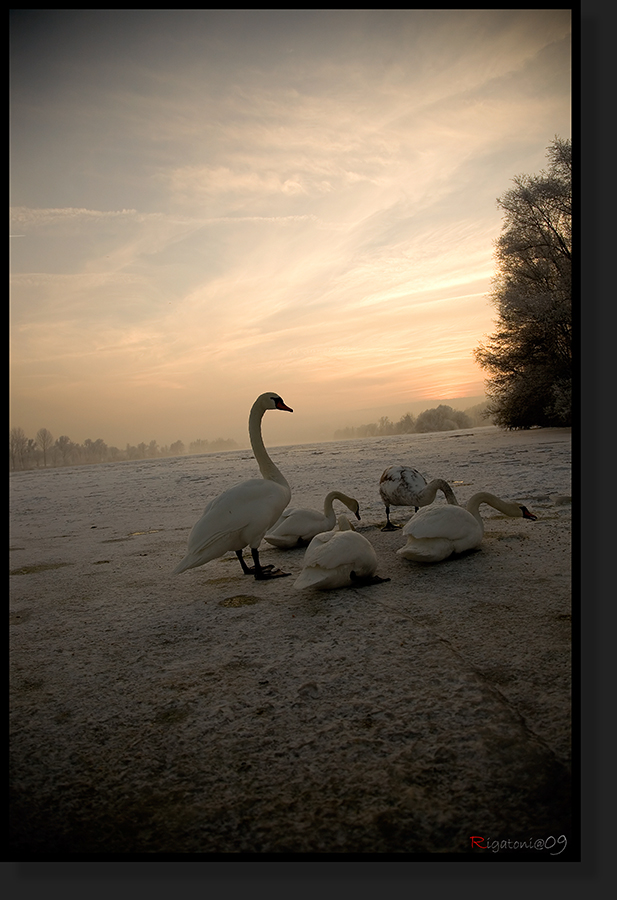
column 299, row 197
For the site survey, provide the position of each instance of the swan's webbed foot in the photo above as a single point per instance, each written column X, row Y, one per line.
column 389, row 526
column 266, row 572
column 250, row 570
column 363, row 581
column 261, row 573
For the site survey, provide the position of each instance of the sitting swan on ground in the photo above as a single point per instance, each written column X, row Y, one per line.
column 298, row 527
column 405, row 486
column 436, row 532
column 240, row 516
column 339, row 558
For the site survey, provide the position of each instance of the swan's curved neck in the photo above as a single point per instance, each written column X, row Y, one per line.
column 438, row 484
column 331, row 497
column 473, row 504
column 266, row 466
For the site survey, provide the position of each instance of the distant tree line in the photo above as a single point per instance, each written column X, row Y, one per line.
column 441, row 418
column 529, row 357
column 44, row 450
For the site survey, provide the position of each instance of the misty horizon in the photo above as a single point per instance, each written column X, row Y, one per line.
column 207, row 205
column 240, row 432
column 219, row 443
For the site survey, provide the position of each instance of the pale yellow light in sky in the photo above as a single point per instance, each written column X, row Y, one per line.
column 308, row 206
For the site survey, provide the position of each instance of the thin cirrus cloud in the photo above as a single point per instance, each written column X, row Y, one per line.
column 209, row 203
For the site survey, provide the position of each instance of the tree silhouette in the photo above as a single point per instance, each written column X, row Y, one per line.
column 25, row 453
column 441, row 418
column 45, row 442
column 17, row 447
column 530, row 355
column 64, row 445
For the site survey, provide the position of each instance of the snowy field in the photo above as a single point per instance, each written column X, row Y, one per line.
column 207, row 713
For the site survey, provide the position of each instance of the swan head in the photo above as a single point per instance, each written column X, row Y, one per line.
column 272, row 400
column 526, row 514
column 355, row 509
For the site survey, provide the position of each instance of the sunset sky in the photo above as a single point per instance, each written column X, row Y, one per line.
column 209, row 204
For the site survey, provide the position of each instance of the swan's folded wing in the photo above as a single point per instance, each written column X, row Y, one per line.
column 237, row 517
column 284, row 516
column 298, row 525
column 452, row 522
column 316, row 548
column 335, row 548
column 426, row 550
column 304, row 521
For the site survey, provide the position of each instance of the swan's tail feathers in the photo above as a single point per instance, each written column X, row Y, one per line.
column 202, row 549
column 188, row 562
column 197, row 558
column 433, row 550
column 283, row 543
column 309, row 578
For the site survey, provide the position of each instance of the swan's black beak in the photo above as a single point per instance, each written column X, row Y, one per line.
column 527, row 514
column 280, row 405
column 357, row 515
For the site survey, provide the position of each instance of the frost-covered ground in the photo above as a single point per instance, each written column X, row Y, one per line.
column 209, row 713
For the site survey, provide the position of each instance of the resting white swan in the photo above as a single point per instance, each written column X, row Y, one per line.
column 405, row 486
column 436, row 532
column 297, row 527
column 339, row 558
column 241, row 515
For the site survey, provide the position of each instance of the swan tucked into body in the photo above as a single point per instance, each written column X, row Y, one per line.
column 405, row 486
column 240, row 516
column 339, row 558
column 436, row 532
column 297, row 527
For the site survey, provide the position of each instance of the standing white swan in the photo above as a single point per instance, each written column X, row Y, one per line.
column 405, row 486
column 339, row 558
column 298, row 526
column 241, row 515
column 436, row 532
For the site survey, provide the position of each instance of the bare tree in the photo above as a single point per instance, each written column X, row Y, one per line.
column 45, row 441
column 65, row 448
column 17, row 447
column 530, row 355
column 199, row 446
column 441, row 418
column 406, row 424
column 95, row 451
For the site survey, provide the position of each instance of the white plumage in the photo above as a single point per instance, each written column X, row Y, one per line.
column 339, row 558
column 240, row 516
column 298, row 526
column 436, row 532
column 405, row 486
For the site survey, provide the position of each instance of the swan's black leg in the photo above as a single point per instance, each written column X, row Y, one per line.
column 264, row 572
column 249, row 570
column 389, row 526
